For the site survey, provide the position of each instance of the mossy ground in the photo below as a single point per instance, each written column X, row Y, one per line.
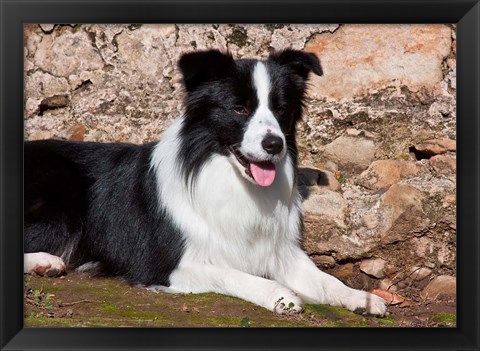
column 78, row 300
column 445, row 319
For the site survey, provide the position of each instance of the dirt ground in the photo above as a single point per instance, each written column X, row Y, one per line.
column 78, row 300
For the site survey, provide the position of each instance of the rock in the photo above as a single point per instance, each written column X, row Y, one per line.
column 323, row 261
column 386, row 284
column 329, row 181
column 403, row 214
column 405, row 304
column 53, row 102
column 327, row 204
column 344, row 272
column 442, row 108
column 47, row 28
column 450, row 200
column 77, row 133
column 331, row 166
column 392, row 271
column 41, row 135
column 444, row 165
column 383, row 173
column 445, row 255
column 443, row 286
column 32, row 107
column 436, row 146
column 373, row 267
column 42, row 85
column 66, row 54
column 359, row 133
column 324, row 221
column 402, row 197
column 390, row 297
column 294, row 35
column 424, row 247
column 359, row 58
column 419, row 273
column 370, row 221
column 309, row 176
column 351, row 153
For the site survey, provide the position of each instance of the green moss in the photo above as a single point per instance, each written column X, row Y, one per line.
column 448, row 319
column 112, row 303
column 348, row 323
column 341, row 317
column 83, row 322
column 107, row 307
column 329, row 312
column 130, row 312
column 385, row 321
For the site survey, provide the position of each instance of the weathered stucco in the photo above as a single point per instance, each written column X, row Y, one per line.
column 380, row 123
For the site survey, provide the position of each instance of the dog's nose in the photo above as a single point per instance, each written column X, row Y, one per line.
column 272, row 144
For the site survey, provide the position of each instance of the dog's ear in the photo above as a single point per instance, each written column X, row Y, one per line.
column 203, row 66
column 301, row 63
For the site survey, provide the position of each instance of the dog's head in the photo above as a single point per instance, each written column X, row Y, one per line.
column 244, row 109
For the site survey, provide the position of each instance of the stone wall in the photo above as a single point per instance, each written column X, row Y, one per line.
column 380, row 125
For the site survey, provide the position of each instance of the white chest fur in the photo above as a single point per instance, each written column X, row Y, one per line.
column 228, row 221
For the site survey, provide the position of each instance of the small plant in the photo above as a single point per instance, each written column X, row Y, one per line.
column 340, row 177
column 40, row 298
column 288, row 309
column 245, row 322
column 26, row 279
column 37, row 295
column 48, row 301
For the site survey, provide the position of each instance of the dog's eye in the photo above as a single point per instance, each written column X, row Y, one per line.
column 241, row 110
column 281, row 110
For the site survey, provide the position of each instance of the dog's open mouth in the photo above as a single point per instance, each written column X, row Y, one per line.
column 262, row 172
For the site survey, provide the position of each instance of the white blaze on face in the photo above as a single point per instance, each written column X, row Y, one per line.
column 262, row 166
column 263, row 121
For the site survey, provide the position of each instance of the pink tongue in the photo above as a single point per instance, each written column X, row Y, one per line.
column 263, row 172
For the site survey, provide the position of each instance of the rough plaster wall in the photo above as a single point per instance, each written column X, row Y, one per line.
column 380, row 122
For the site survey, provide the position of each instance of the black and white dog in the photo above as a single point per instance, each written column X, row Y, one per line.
column 212, row 207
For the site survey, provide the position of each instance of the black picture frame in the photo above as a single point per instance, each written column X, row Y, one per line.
column 14, row 13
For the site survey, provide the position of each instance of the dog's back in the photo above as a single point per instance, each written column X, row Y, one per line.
column 96, row 202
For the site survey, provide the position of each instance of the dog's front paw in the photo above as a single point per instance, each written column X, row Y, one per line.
column 43, row 264
column 288, row 303
column 362, row 302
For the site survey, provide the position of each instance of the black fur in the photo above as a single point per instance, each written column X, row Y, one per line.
column 100, row 198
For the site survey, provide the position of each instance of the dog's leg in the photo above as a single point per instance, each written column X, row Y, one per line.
column 42, row 263
column 207, row 278
column 301, row 275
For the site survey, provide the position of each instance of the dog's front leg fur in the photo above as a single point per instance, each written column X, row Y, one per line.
column 208, row 278
column 301, row 275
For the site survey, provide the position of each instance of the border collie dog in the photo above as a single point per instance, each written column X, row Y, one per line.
column 212, row 207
